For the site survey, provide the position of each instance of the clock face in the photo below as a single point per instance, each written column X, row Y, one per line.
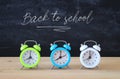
column 60, row 58
column 30, row 58
column 90, row 58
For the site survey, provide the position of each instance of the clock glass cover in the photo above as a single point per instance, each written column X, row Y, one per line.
column 30, row 58
column 90, row 58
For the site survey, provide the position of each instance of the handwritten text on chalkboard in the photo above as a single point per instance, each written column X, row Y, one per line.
column 28, row 18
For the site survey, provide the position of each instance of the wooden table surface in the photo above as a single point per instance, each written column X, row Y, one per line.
column 109, row 68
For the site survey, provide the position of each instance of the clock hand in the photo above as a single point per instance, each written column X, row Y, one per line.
column 28, row 61
column 60, row 53
column 30, row 54
column 60, row 57
column 64, row 55
column 89, row 55
column 86, row 59
column 57, row 58
column 27, row 58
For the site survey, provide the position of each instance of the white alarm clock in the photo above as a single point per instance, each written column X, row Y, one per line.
column 89, row 56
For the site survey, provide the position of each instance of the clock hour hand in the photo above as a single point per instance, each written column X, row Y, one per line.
column 86, row 59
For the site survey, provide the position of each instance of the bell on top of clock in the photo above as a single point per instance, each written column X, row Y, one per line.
column 89, row 56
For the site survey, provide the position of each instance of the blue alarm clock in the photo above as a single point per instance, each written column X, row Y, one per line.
column 60, row 56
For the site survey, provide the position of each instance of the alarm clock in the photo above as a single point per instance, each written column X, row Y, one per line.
column 30, row 55
column 89, row 56
column 60, row 55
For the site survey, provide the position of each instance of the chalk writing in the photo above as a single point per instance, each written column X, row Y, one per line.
column 77, row 18
column 28, row 18
column 55, row 28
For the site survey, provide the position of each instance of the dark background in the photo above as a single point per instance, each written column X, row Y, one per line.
column 105, row 27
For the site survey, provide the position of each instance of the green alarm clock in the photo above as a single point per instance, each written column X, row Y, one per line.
column 30, row 56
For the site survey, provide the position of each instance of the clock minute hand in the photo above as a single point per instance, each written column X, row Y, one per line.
column 30, row 54
column 60, row 53
column 57, row 59
column 60, row 57
column 89, row 57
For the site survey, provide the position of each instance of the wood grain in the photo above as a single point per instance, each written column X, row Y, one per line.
column 109, row 68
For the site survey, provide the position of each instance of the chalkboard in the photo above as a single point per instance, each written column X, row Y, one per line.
column 48, row 20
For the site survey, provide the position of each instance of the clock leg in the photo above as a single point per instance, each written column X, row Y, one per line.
column 68, row 67
column 22, row 67
column 82, row 67
column 97, row 67
column 37, row 67
column 52, row 67
column 60, row 68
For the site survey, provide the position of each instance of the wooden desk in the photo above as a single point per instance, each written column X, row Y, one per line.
column 109, row 68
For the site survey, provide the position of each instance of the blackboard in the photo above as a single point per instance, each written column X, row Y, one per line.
column 48, row 20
